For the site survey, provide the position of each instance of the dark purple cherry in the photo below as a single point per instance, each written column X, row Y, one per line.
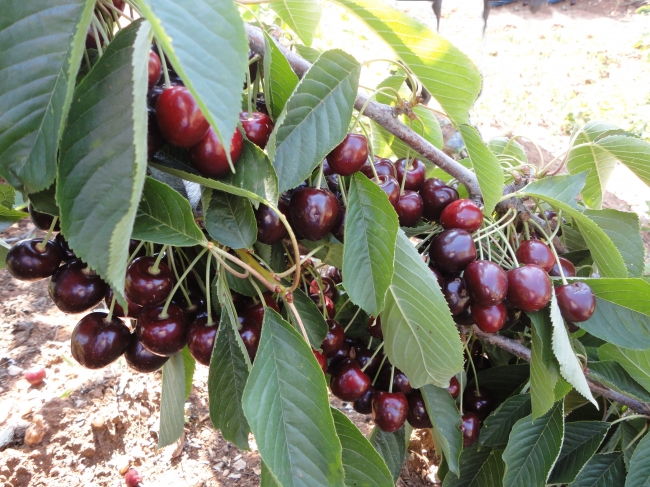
column 452, row 251
column 383, row 167
column 209, row 158
column 576, row 301
column 567, row 267
column 333, row 340
column 258, row 127
column 471, row 427
column 363, row 405
column 75, row 288
column 436, row 196
column 489, row 319
column 96, row 341
column 374, row 327
column 364, row 358
column 454, row 387
column 140, row 359
column 535, row 252
column 66, row 252
column 270, row 229
column 145, row 287
column 342, row 354
column 487, row 283
column 409, row 208
column 414, row 176
column 162, row 335
column 42, row 221
column 200, row 340
column 314, row 212
column 322, row 361
column 348, row 383
column 456, row 294
column 179, row 117
column 389, row 410
column 529, row 287
column 401, row 383
column 349, row 156
column 390, row 186
column 154, row 69
column 133, row 309
column 478, row 402
column 417, row 415
column 27, row 262
column 463, row 214
column 250, row 334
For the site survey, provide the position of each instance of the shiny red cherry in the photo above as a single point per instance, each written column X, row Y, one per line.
column 258, row 127
column 162, row 335
column 27, row 262
column 478, row 402
column 133, row 309
column 456, row 294
column 487, row 283
column 349, row 156
column 179, row 117
column 463, row 214
column 389, row 410
column 383, row 167
column 529, row 287
column 270, row 229
column 415, row 174
column 75, row 288
column 452, row 251
column 409, row 208
column 454, row 387
column 489, row 319
column 567, row 267
column 322, row 361
column 390, row 186
column 154, row 70
column 535, row 252
column 144, row 286
column 576, row 301
column 417, row 414
column 140, row 359
column 374, row 328
column 209, row 158
column 471, row 427
column 348, row 383
column 363, row 405
column 314, row 212
column 200, row 340
column 96, row 341
column 333, row 340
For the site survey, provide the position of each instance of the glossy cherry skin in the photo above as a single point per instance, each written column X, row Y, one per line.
column 140, row 359
column 75, row 288
column 350, row 155
column 333, row 340
column 454, row 388
column 270, row 229
column 383, row 167
column 576, row 301
column 154, row 69
column 25, row 261
column 364, row 358
column 209, row 158
column 250, row 334
column 363, row 405
column 348, row 383
column 409, row 208
column 478, row 402
column 471, row 427
column 200, row 340
column 417, row 414
column 162, row 335
column 133, row 309
column 96, row 342
column 463, row 214
column 42, row 221
column 258, row 127
column 314, row 212
column 489, row 319
column 179, row 117
column 535, row 252
column 400, row 381
column 322, row 361
column 452, row 250
column 66, row 252
column 567, row 267
column 415, row 175
column 435, row 199
column 389, row 410
column 456, row 294
column 374, row 328
column 487, row 283
column 144, row 288
column 390, row 186
column 529, row 287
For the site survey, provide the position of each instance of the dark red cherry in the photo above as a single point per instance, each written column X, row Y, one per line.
column 535, row 252
column 374, row 327
column 166, row 335
column 96, row 341
column 436, row 198
column 567, row 267
column 409, row 208
column 179, row 117
column 456, row 294
column 417, row 415
column 350, row 155
column 389, row 410
column 363, row 405
column 75, row 288
column 342, row 354
column 333, row 340
column 154, row 70
column 390, row 186
column 200, row 340
column 258, row 127
column 576, row 301
column 529, row 287
column 364, row 358
column 27, row 262
column 140, row 359
column 478, row 402
column 463, row 214
column 314, row 212
column 209, row 158
column 322, row 361
column 486, row 282
column 454, row 387
column 250, row 334
column 471, row 427
column 415, row 175
column 489, row 319
column 43, row 221
column 133, row 309
column 400, row 381
column 383, row 167
column 255, row 310
column 348, row 383
column 452, row 251
column 145, row 288
column 66, row 252
column 270, row 229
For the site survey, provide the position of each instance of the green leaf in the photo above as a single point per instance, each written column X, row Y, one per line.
column 363, row 466
column 311, row 317
column 503, row 381
column 446, row 422
column 635, row 362
column 419, row 334
column 478, row 468
column 508, row 150
column 486, row 166
column 302, row 16
column 581, row 441
column 629, row 433
column 42, row 44
column 45, row 201
column 172, row 401
column 165, row 217
column 499, row 424
column 229, row 219
column 207, row 46
column 534, row 448
column 633, row 152
column 560, row 188
column 315, row 119
column 603, row 470
column 189, row 365
column 103, row 156
column 391, row 447
column 279, row 79
column 544, row 368
column 287, row 407
column 612, row 375
column 442, row 69
column 369, row 251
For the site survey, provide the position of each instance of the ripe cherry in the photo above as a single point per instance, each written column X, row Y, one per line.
column 456, row 295
column 489, row 319
column 250, row 334
column 535, row 252
column 454, row 387
column 383, row 167
column 436, row 196
column 348, row 383
column 42, row 221
column 350, row 155
column 567, row 267
column 258, row 127
column 270, row 229
column 322, row 361
column 529, row 287
column 35, row 375
column 140, row 359
column 389, row 410
column 162, row 335
column 75, row 288
column 200, row 340
column 66, row 253
column 97, row 341
column 463, row 214
column 487, row 283
column 209, row 158
column 144, row 286
column 417, row 414
column 374, row 328
column 452, row 251
column 401, row 383
column 133, row 309
column 478, row 402
column 576, row 301
column 471, row 427
column 314, row 212
column 179, row 117
column 363, row 405
column 390, row 186
column 333, row 340
column 27, row 262
column 415, row 174
column 154, row 69
column 409, row 208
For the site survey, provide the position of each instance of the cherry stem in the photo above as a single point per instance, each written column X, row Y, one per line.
column 352, row 319
column 172, row 263
column 392, row 377
column 319, row 179
column 163, row 313
column 294, row 311
column 109, row 317
column 381, row 345
column 163, row 61
column 41, row 246
column 155, row 268
column 379, row 370
column 208, row 300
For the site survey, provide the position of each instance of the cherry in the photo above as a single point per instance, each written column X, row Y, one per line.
column 208, row 156
column 374, row 328
column 529, row 287
column 35, row 375
column 452, row 250
column 486, row 282
column 567, row 267
column 27, row 262
column 389, row 410
column 250, row 334
column 478, row 402
column 383, row 167
column 75, row 288
column 270, row 229
column 454, row 387
column 390, row 186
column 314, row 212
column 322, row 361
column 255, row 310
column 348, row 383
column 334, row 339
column 162, row 335
column 471, row 427
column 400, row 381
column 144, row 287
column 330, row 308
column 576, row 301
column 463, row 214
column 350, row 155
column 133, row 310
column 364, row 358
column 409, row 208
column 417, row 414
column 258, row 127
column 414, row 176
column 42, row 221
column 179, row 117
column 436, row 196
column 154, row 69
column 363, row 405
column 132, row 478
column 489, row 319
column 535, row 252
column 140, row 359
column 97, row 341
column 200, row 340
column 453, row 289
column 342, row 354
column 66, row 253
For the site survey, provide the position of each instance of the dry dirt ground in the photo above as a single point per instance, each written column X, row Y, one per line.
column 543, row 74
